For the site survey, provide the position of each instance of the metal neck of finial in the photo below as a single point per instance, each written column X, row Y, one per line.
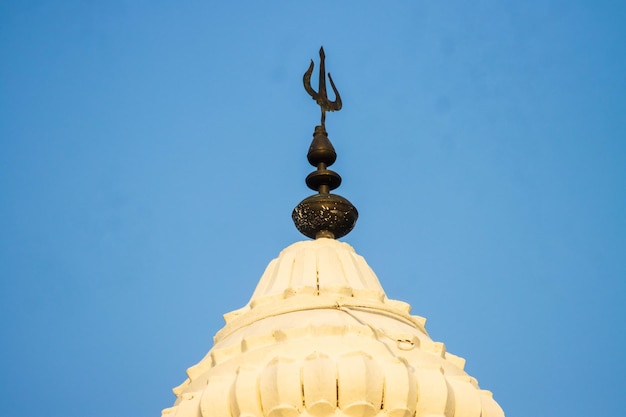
column 323, row 215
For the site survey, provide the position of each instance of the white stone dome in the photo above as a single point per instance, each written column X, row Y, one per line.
column 320, row 338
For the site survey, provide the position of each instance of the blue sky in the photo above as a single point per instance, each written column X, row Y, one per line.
column 151, row 153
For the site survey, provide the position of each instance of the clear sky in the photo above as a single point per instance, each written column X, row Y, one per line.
column 151, row 153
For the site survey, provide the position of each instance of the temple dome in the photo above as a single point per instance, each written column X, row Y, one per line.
column 320, row 338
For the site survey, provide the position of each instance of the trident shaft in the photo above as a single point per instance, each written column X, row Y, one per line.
column 321, row 96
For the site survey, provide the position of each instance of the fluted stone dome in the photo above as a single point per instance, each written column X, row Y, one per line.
column 320, row 338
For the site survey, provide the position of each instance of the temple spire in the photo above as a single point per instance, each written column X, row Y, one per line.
column 323, row 214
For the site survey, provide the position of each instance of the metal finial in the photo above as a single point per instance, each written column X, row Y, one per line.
column 321, row 96
column 323, row 214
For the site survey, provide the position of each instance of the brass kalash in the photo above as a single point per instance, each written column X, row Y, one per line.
column 323, row 215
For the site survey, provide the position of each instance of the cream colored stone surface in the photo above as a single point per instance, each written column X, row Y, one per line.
column 320, row 338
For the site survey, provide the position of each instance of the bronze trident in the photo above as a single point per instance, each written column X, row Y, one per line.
column 321, row 97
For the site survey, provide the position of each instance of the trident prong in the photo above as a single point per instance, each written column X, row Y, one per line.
column 321, row 96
